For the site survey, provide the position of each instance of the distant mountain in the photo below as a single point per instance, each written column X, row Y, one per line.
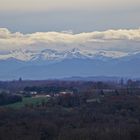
column 48, row 54
column 94, row 78
column 49, row 63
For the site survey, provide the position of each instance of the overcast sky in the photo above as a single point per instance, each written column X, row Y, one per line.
column 77, row 15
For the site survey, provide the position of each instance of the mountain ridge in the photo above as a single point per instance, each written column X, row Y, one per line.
column 58, row 64
column 51, row 54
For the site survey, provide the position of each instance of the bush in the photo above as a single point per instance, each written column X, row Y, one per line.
column 9, row 99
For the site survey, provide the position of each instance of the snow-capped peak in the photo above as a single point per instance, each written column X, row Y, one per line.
column 49, row 54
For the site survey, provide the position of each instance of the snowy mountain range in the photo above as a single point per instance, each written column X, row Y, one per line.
column 54, row 55
column 51, row 63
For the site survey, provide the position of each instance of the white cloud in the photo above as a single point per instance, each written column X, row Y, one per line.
column 110, row 40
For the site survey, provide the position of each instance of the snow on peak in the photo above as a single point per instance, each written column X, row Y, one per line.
column 48, row 54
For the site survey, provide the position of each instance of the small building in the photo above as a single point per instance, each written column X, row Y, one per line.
column 63, row 93
column 42, row 95
column 93, row 100
column 33, row 93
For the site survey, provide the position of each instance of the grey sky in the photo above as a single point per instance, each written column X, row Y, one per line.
column 77, row 15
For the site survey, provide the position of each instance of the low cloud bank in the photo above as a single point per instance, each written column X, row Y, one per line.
column 111, row 40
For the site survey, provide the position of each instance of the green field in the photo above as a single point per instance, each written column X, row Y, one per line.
column 25, row 101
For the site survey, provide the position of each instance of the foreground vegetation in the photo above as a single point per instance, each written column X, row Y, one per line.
column 95, row 112
column 114, row 120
